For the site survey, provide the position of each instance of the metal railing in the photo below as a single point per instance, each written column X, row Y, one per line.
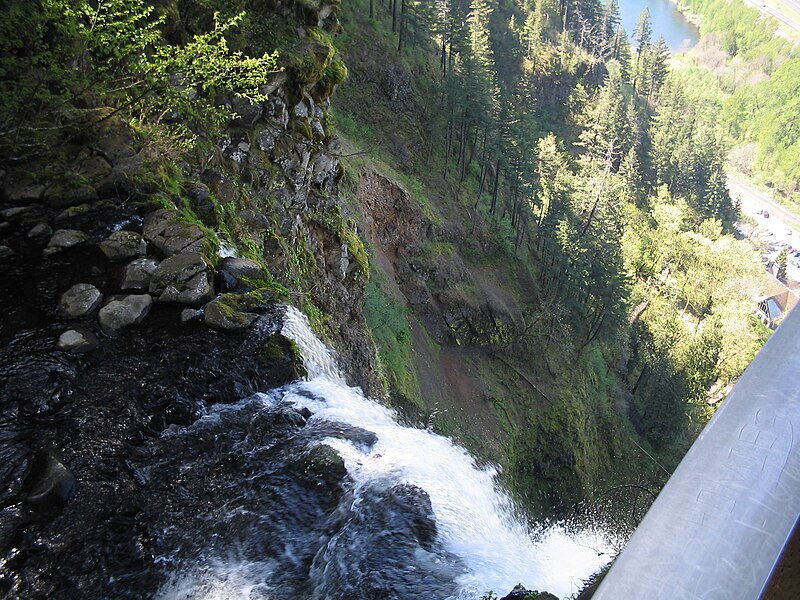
column 719, row 526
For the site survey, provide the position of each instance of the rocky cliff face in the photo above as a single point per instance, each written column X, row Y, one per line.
column 139, row 287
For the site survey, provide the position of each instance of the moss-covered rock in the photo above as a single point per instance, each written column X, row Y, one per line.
column 320, row 466
column 227, row 313
column 281, row 356
column 237, row 312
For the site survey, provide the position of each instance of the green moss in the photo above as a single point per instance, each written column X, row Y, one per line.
column 271, row 291
column 387, row 320
column 358, row 252
column 230, row 306
column 321, row 322
column 304, row 128
column 282, row 357
column 435, row 248
column 334, row 74
column 345, row 232
column 320, row 466
column 270, row 32
column 309, row 9
column 312, row 58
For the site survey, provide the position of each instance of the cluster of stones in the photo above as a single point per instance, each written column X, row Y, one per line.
column 165, row 262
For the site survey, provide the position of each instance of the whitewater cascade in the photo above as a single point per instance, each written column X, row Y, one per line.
column 479, row 544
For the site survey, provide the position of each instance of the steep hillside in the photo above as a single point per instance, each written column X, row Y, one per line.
column 543, row 240
column 484, row 209
column 468, row 342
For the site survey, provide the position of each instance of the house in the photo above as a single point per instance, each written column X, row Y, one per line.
column 775, row 302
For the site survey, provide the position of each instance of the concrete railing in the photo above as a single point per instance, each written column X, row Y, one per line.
column 717, row 529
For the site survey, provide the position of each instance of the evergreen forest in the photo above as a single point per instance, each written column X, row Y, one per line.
column 510, row 219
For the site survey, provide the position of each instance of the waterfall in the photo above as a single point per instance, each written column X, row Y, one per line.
column 480, row 545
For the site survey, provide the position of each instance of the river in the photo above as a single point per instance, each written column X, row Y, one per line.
column 679, row 33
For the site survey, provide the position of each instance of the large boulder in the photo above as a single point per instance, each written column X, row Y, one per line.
column 182, row 278
column 169, row 235
column 138, row 274
column 124, row 312
column 240, row 275
column 40, row 230
column 77, row 341
column 236, row 312
column 64, row 239
column 123, row 245
column 79, row 300
column 49, row 483
column 62, row 196
column 226, row 314
column 243, row 267
column 21, row 191
column 16, row 211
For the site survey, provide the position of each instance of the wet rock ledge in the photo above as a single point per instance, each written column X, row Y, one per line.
column 120, row 321
column 126, row 316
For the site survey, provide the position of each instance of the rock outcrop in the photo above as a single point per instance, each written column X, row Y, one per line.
column 123, row 245
column 124, row 312
column 104, row 220
column 79, row 300
column 169, row 235
column 182, row 278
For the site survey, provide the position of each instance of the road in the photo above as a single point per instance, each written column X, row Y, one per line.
column 754, row 200
column 779, row 16
column 780, row 230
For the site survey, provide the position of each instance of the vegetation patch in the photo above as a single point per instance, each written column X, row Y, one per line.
column 387, row 319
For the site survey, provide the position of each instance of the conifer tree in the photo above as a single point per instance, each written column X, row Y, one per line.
column 609, row 28
column 607, row 134
column 643, row 31
column 642, row 34
column 657, row 58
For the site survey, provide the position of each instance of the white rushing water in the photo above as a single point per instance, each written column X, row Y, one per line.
column 474, row 518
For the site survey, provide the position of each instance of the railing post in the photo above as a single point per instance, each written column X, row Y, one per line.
column 717, row 529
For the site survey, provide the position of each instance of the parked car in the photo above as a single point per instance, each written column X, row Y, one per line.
column 766, row 214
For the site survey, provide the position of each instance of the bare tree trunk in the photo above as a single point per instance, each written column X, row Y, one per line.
column 463, row 157
column 496, row 185
column 521, row 230
column 448, row 139
column 474, row 145
column 401, row 37
column 461, row 139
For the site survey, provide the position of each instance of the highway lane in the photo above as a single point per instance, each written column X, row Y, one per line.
column 754, row 200
column 779, row 16
column 781, row 229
